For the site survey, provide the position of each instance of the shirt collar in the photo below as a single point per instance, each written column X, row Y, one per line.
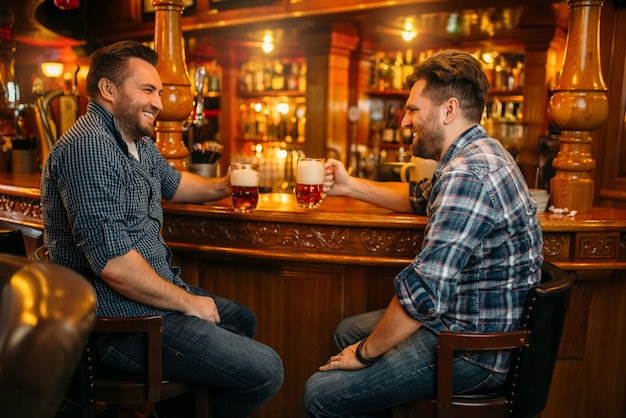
column 110, row 123
column 467, row 137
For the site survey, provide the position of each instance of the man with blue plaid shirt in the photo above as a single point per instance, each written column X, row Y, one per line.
column 481, row 253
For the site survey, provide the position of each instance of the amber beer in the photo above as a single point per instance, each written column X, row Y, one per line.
column 310, row 182
column 244, row 180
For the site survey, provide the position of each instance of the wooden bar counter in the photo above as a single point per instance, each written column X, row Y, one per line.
column 303, row 270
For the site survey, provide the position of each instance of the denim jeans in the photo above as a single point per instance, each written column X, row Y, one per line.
column 405, row 372
column 242, row 373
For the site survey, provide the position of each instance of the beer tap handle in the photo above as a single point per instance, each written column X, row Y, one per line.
column 199, row 81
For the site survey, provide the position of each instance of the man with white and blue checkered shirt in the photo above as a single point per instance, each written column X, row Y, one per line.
column 101, row 192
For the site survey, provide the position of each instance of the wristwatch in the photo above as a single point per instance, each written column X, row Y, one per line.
column 364, row 361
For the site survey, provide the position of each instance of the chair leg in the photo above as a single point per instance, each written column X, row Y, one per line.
column 89, row 412
column 203, row 401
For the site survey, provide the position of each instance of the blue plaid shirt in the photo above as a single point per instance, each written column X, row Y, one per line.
column 99, row 202
column 482, row 249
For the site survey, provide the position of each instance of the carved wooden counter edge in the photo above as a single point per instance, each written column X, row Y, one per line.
column 346, row 232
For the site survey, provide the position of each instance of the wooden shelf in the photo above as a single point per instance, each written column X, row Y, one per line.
column 270, row 93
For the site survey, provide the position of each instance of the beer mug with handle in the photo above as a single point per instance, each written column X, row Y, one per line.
column 417, row 169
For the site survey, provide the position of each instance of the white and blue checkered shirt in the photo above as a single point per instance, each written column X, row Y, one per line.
column 99, row 202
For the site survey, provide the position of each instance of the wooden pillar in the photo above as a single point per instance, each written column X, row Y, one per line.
column 579, row 105
column 177, row 94
column 327, row 51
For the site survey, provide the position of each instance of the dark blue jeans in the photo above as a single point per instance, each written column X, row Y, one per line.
column 405, row 372
column 242, row 373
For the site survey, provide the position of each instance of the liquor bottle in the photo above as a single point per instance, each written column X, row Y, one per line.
column 259, row 75
column 397, row 80
column 292, row 76
column 409, row 65
column 502, row 73
column 213, row 78
column 391, row 125
column 385, row 74
column 268, row 73
column 302, row 78
column 247, row 78
column 278, row 76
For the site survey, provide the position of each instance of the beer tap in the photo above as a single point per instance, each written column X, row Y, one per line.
column 198, row 121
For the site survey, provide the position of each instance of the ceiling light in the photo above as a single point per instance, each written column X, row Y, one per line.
column 52, row 69
column 409, row 33
column 268, row 42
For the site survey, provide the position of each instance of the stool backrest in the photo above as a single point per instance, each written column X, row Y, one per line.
column 532, row 367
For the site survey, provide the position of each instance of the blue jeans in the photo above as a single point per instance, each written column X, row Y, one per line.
column 404, row 373
column 242, row 373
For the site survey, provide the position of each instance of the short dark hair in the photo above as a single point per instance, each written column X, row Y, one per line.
column 111, row 62
column 452, row 73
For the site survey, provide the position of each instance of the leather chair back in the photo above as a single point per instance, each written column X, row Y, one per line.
column 46, row 313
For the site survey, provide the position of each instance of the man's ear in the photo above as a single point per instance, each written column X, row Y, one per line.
column 107, row 88
column 450, row 109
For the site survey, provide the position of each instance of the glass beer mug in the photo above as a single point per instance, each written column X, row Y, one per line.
column 244, row 181
column 310, row 182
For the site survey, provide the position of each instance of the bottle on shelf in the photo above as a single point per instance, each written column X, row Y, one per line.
column 518, row 75
column 385, row 73
column 212, row 82
column 391, row 125
column 502, row 74
column 278, row 76
column 397, row 79
column 302, row 78
column 408, row 66
column 292, row 76
column 259, row 75
column 247, row 77
column 268, row 74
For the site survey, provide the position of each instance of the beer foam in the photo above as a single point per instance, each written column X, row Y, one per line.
column 310, row 172
column 244, row 177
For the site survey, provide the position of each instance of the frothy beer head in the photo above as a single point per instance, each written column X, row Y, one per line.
column 244, row 177
column 310, row 171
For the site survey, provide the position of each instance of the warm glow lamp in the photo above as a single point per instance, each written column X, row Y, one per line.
column 409, row 33
column 52, row 69
column 268, row 42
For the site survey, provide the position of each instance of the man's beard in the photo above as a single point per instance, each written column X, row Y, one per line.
column 429, row 142
column 129, row 120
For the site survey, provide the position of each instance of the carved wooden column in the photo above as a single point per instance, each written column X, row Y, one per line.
column 578, row 106
column 177, row 95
